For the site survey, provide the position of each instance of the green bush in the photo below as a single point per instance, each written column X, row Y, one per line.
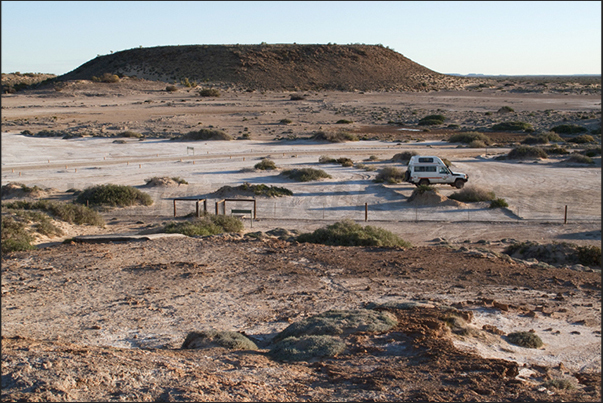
column 469, row 137
column 432, row 120
column 207, row 224
column 335, row 137
column 187, row 83
column 265, row 164
column 305, row 174
column 582, row 139
column 513, row 126
column 580, row 159
column 525, row 339
column 556, row 150
column 526, row 152
column 209, row 92
column 390, row 175
column 113, row 195
column 306, row 348
column 592, row 151
column 68, row 212
column 206, row 134
column 171, row 88
column 569, row 129
column 556, row 253
column 472, row 194
column 589, row 255
column 213, row 338
column 499, row 203
column 348, row 233
column 15, row 238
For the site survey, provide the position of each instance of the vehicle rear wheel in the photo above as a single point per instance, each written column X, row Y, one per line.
column 459, row 183
column 424, row 182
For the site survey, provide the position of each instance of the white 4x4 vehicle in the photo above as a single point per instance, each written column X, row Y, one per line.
column 431, row 170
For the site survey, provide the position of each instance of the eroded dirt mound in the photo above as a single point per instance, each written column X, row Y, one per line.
column 163, row 181
column 274, row 67
column 15, row 190
column 227, row 192
column 431, row 198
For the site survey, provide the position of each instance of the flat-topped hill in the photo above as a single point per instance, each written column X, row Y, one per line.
column 274, row 67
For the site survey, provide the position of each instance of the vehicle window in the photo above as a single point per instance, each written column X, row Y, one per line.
column 424, row 159
column 443, row 170
column 425, row 169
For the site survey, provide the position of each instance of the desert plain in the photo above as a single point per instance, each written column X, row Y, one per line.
column 102, row 316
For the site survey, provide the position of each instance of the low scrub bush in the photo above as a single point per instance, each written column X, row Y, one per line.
column 265, row 165
column 335, row 137
column 562, row 384
column 569, row 129
column 582, row 139
column 306, row 348
column 206, row 134
column 506, row 109
column 297, row 97
column 469, row 137
column 348, row 233
column 305, row 174
column 499, row 203
column 592, row 151
column 106, row 78
column 343, row 122
column 525, row 339
column 130, row 134
column 285, row 121
column 556, row 253
column 113, row 195
column 589, row 255
column 432, row 120
column 580, row 159
column 265, row 190
column 340, row 323
column 171, row 88
column 214, row 338
column 390, row 175
column 513, row 126
column 556, row 150
column 325, row 159
column 15, row 237
column 471, row 194
column 526, row 152
column 68, row 212
column 207, row 224
column 404, row 156
column 209, row 92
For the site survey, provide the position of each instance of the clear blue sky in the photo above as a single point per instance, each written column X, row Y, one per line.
column 510, row 38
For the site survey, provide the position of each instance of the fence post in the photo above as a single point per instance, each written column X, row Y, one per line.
column 174, row 207
column 365, row 212
column 565, row 218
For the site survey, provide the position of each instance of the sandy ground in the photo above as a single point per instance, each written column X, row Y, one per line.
column 537, row 194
